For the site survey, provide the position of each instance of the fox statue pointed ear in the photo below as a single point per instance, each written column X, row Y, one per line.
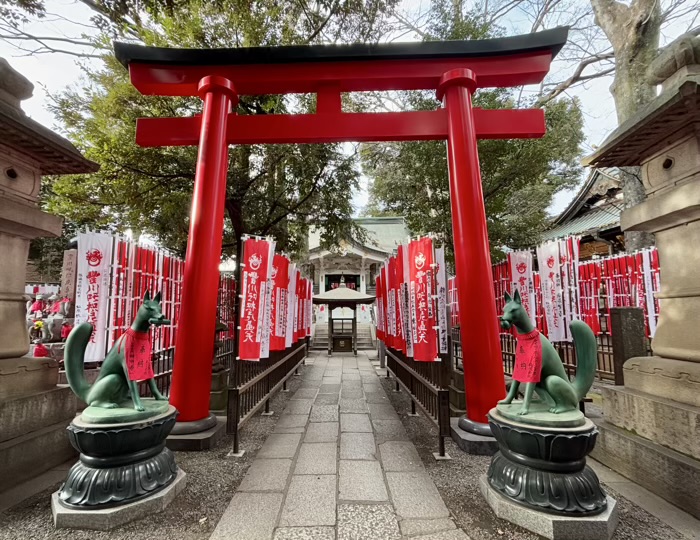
column 507, row 297
column 156, row 298
column 147, row 296
column 516, row 297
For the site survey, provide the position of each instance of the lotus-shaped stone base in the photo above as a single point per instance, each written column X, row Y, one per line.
column 545, row 468
column 119, row 463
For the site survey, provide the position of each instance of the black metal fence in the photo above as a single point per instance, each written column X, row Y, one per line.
column 252, row 384
column 428, row 385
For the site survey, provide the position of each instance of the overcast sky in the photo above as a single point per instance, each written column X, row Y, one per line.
column 52, row 72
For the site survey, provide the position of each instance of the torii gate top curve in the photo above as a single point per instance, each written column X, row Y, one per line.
column 455, row 69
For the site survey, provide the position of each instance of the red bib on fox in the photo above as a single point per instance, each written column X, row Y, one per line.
column 528, row 357
column 137, row 352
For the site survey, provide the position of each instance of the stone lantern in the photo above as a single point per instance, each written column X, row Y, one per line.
column 34, row 412
column 652, row 424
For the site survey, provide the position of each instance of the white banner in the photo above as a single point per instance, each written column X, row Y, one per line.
column 267, row 313
column 649, row 290
column 568, row 261
column 442, row 299
column 406, row 299
column 522, row 276
column 548, row 259
column 292, row 305
column 92, row 290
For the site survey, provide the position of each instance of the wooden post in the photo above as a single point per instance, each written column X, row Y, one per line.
column 629, row 340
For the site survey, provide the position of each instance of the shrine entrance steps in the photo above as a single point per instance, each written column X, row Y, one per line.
column 339, row 465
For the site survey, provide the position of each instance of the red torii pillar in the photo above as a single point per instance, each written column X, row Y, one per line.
column 455, row 69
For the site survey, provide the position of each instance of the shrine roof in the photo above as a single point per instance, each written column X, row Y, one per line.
column 670, row 117
column 551, row 40
column 343, row 297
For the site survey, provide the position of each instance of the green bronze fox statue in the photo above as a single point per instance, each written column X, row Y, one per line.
column 546, row 375
column 128, row 361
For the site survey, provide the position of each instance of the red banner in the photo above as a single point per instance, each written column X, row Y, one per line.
column 257, row 255
column 279, row 309
column 420, row 253
column 380, row 308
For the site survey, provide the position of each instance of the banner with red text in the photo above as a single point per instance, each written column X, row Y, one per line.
column 292, row 306
column 405, row 299
column 548, row 258
column 421, row 275
column 92, row 290
column 522, row 279
column 278, row 306
column 255, row 276
column 441, row 281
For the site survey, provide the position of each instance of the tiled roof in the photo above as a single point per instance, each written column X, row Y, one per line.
column 605, row 217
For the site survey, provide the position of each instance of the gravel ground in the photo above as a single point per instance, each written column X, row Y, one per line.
column 457, row 481
column 212, row 479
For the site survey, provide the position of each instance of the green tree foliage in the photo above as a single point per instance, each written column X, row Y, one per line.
column 272, row 190
column 519, row 177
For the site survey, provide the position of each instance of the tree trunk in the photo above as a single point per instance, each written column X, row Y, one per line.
column 633, row 32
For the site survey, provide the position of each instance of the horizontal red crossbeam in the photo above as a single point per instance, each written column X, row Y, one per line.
column 356, row 76
column 342, row 127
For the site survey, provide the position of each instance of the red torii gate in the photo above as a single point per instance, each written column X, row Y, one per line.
column 455, row 69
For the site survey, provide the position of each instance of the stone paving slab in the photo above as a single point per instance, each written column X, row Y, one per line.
column 361, row 481
column 367, row 522
column 324, row 413
column 382, row 412
column 327, row 399
column 299, row 406
column 355, row 423
column 329, row 388
column 348, row 405
column 318, row 432
column 389, row 430
column 310, row 501
column 351, row 384
column 292, row 421
column 414, row 527
column 357, row 446
column 376, row 398
column 267, row 475
column 415, row 496
column 400, row 456
column 352, row 376
column 305, row 533
column 352, row 393
column 305, row 393
column 317, row 458
column 456, row 534
column 249, row 516
column 280, row 445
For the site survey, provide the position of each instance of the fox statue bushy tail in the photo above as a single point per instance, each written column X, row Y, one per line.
column 551, row 383
column 76, row 344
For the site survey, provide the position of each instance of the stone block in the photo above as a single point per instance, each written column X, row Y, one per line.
column 305, row 533
column 353, row 405
column 195, row 442
column 663, row 377
column 400, row 456
column 280, row 445
column 455, row 534
column 355, row 423
column 23, row 414
column 310, row 501
column 662, row 471
column 367, row 522
column 361, row 481
column 324, row 413
column 267, row 475
column 382, row 412
column 26, row 375
column 292, row 421
column 327, row 399
column 415, row 496
column 472, row 443
column 109, row 518
column 317, row 458
column 352, row 393
column 299, row 406
column 249, row 516
column 389, row 430
column 377, row 398
column 318, row 432
column 31, row 454
column 329, row 388
column 669, row 423
column 357, row 446
column 554, row 527
column 305, row 393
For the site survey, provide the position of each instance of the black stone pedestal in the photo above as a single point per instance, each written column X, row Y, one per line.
column 119, row 463
column 544, row 468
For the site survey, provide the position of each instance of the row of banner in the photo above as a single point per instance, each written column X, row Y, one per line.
column 412, row 301
column 276, row 302
column 564, row 288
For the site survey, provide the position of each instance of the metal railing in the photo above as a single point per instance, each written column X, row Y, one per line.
column 252, row 384
column 428, row 385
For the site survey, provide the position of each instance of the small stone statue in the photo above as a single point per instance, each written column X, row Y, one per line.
column 127, row 362
column 538, row 365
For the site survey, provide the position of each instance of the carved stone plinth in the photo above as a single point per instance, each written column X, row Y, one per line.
column 119, row 463
column 544, row 468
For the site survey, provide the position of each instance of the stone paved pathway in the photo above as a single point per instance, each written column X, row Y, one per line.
column 339, row 465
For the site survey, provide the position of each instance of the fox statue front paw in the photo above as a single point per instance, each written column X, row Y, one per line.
column 524, row 411
column 505, row 401
column 139, row 407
